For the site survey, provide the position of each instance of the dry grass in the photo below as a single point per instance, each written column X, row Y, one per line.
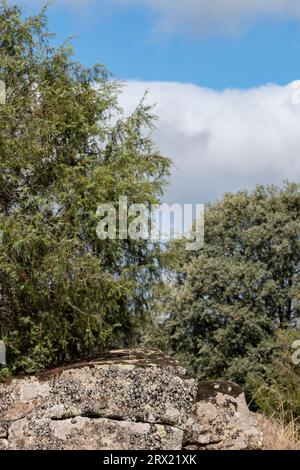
column 278, row 436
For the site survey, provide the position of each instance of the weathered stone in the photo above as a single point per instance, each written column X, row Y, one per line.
column 92, row 434
column 123, row 400
column 221, row 419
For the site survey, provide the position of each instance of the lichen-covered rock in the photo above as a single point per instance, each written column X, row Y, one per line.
column 221, row 419
column 124, row 400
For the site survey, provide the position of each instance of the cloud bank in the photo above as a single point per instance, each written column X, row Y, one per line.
column 223, row 141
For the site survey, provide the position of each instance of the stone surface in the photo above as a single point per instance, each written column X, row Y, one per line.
column 124, row 400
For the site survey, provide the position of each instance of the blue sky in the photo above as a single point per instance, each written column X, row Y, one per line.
column 128, row 42
column 224, row 75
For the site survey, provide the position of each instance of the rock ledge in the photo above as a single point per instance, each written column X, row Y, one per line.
column 124, row 400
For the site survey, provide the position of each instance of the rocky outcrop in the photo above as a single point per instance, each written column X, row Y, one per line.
column 124, row 400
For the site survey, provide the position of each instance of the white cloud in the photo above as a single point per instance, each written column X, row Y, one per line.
column 216, row 16
column 223, row 141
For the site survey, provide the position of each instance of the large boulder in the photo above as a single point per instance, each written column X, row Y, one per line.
column 124, row 400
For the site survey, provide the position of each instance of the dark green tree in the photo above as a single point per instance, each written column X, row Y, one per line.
column 66, row 148
column 231, row 298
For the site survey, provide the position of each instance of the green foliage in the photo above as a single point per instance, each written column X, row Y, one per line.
column 66, row 148
column 229, row 300
column 276, row 389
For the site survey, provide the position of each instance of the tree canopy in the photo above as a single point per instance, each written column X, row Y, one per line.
column 231, row 298
column 65, row 148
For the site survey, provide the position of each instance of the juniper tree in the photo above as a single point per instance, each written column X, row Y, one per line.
column 65, row 148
